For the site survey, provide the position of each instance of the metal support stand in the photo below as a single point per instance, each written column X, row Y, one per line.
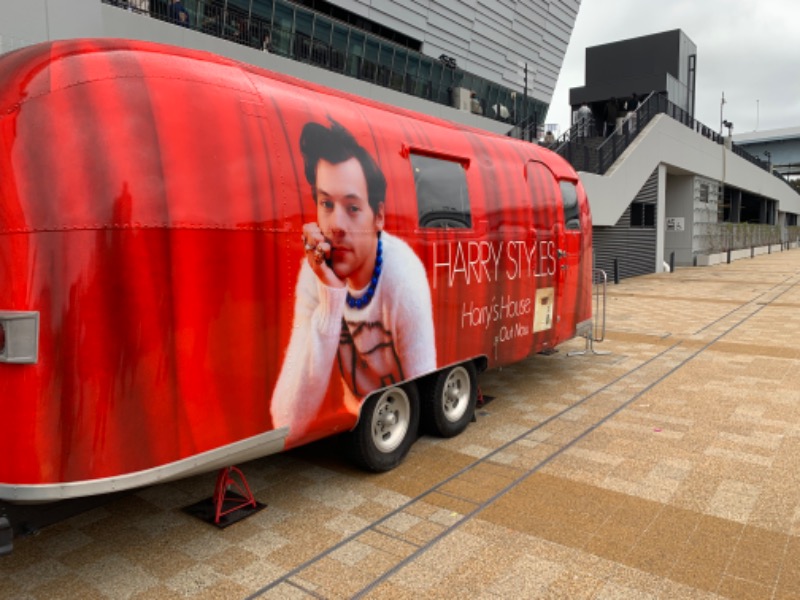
column 242, row 499
column 597, row 333
column 232, row 500
column 589, row 348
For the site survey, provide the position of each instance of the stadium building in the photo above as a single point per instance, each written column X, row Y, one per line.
column 486, row 63
column 665, row 190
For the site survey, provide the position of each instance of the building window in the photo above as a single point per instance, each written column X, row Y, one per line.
column 442, row 194
column 704, row 192
column 643, row 215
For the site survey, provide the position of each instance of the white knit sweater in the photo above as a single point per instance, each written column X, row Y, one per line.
column 388, row 341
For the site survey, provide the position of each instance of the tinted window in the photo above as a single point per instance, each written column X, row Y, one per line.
column 442, row 195
column 643, row 215
column 569, row 196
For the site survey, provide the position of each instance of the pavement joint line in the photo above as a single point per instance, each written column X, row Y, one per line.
column 390, row 534
column 482, row 506
column 304, row 589
column 785, row 282
column 782, row 283
column 457, row 497
column 550, row 458
column 437, row 488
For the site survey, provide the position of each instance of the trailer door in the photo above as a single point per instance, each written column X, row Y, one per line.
column 569, row 243
column 547, row 223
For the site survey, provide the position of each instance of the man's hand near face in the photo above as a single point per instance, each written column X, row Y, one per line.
column 318, row 251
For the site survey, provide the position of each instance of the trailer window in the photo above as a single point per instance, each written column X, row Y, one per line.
column 569, row 197
column 442, row 195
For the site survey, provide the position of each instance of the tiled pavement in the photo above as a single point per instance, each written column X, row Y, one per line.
column 669, row 468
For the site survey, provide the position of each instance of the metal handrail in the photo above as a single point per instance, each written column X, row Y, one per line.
column 618, row 141
column 597, row 333
column 599, row 284
column 246, row 27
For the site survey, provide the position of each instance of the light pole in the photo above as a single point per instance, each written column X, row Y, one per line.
column 756, row 114
column 729, row 125
column 721, row 104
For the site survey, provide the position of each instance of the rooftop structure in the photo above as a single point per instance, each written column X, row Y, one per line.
column 779, row 147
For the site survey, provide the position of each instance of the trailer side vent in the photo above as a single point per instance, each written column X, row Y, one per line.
column 19, row 337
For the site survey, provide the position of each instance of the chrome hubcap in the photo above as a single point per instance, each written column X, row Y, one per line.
column 391, row 419
column 456, row 394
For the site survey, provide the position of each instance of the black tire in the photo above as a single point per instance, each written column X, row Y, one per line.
column 386, row 429
column 450, row 400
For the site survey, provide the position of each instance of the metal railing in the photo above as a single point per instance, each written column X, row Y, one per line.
column 597, row 333
column 598, row 158
column 296, row 32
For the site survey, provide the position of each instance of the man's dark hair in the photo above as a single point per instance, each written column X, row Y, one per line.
column 337, row 145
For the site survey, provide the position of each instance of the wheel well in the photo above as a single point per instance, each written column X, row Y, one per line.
column 424, row 382
column 481, row 363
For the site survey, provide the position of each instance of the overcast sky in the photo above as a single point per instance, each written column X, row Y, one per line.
column 749, row 49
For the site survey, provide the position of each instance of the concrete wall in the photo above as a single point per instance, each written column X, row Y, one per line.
column 25, row 22
column 679, row 202
column 705, row 205
column 682, row 150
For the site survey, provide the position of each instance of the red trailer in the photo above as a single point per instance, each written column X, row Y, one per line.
column 202, row 262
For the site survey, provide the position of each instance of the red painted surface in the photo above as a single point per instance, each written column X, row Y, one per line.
column 151, row 200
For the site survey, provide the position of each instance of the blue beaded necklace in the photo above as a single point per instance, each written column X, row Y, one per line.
column 376, row 275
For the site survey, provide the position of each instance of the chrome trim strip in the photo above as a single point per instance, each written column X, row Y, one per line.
column 257, row 446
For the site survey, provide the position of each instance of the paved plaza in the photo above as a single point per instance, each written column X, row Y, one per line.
column 667, row 468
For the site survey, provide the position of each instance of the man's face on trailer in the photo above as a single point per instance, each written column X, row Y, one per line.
column 347, row 220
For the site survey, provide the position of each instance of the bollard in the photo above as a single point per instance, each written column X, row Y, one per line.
column 729, row 257
column 616, row 271
column 752, row 251
column 672, row 262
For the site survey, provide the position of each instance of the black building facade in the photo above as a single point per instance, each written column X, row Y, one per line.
column 665, row 63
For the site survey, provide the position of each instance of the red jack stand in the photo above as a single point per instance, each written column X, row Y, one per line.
column 232, row 501
column 482, row 400
column 242, row 499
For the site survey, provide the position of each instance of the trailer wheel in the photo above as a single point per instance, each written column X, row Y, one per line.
column 450, row 403
column 387, row 428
